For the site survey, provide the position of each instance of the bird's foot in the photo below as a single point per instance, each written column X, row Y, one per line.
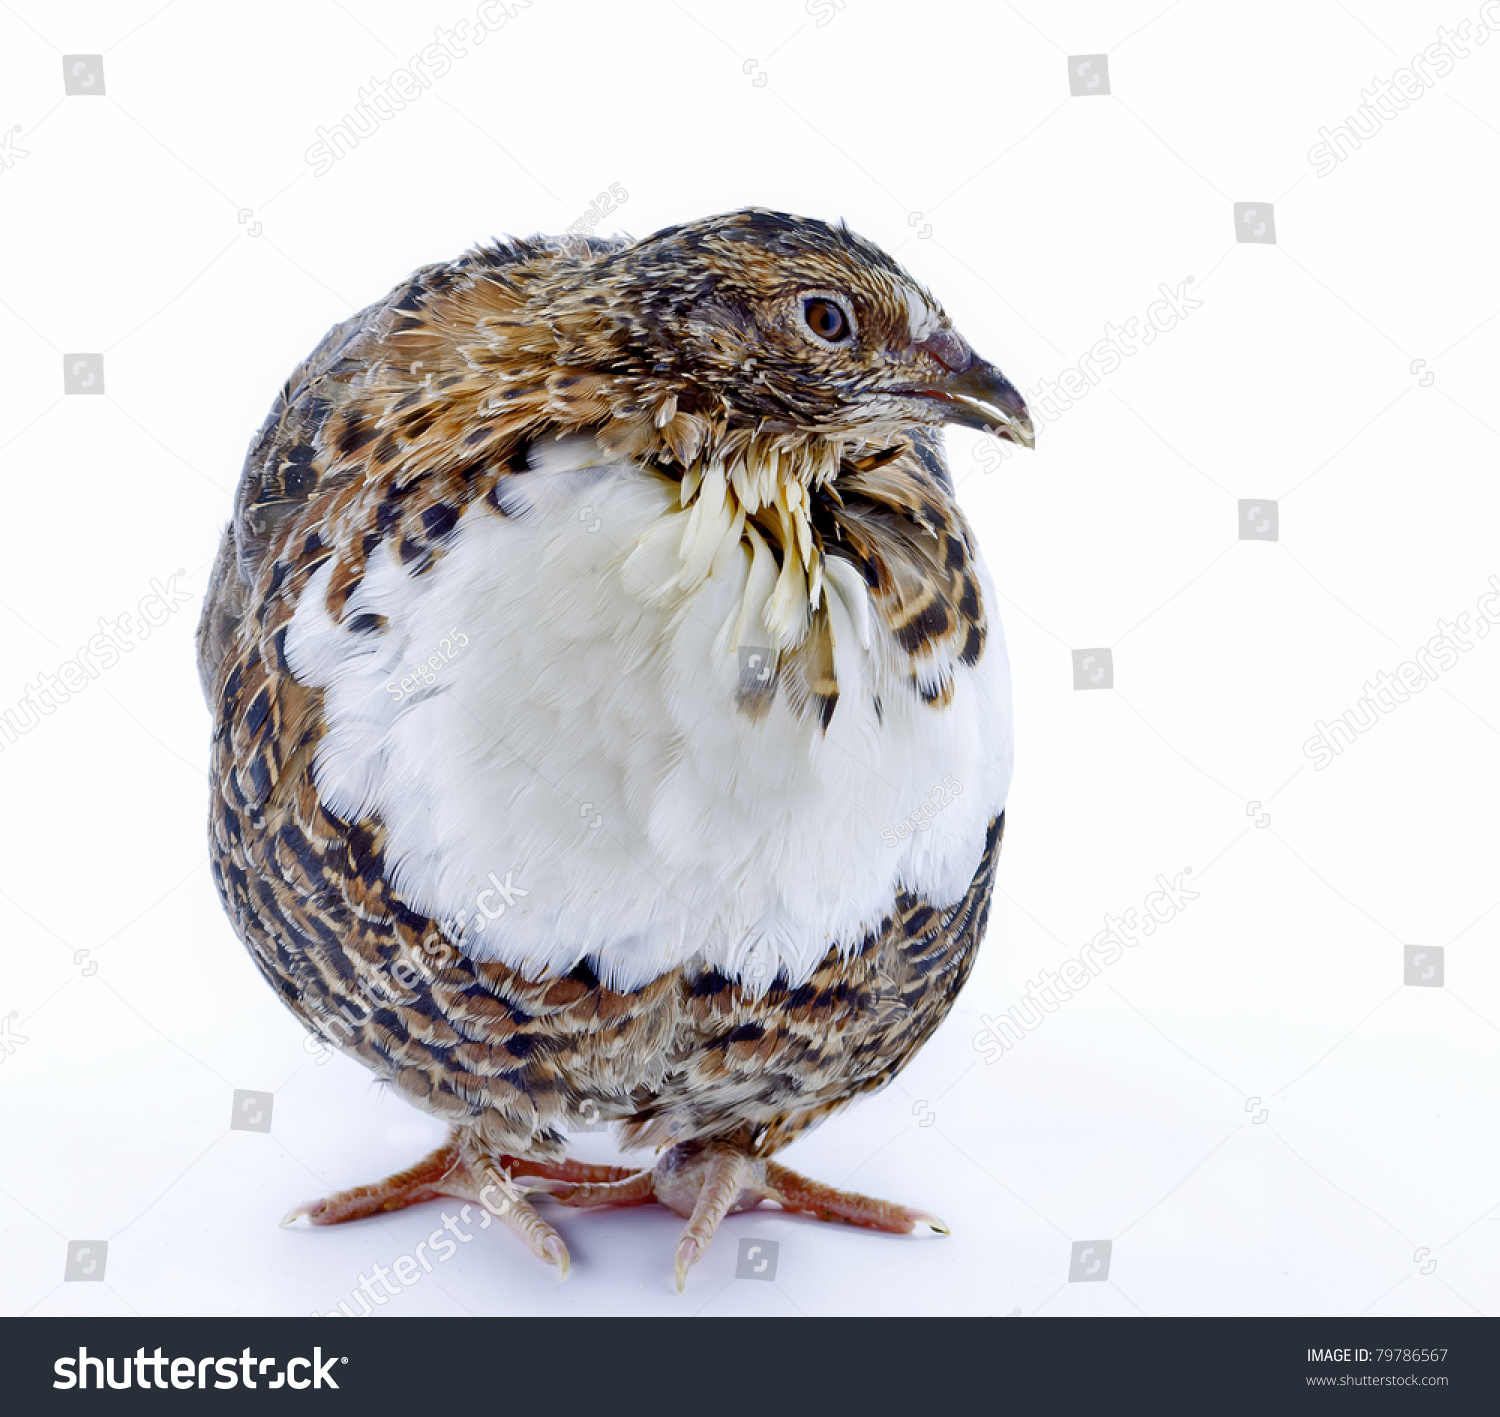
column 498, row 1184
column 706, row 1182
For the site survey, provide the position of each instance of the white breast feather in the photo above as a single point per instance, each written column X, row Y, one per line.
column 582, row 751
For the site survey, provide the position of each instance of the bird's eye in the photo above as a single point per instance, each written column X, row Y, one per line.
column 826, row 319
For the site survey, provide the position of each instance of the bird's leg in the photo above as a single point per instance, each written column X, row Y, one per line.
column 636, row 1188
column 568, row 1171
column 706, row 1182
column 452, row 1171
column 701, row 1181
column 724, row 1175
column 792, row 1191
column 430, row 1178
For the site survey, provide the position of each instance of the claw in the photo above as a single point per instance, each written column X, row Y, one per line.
column 307, row 1210
column 688, row 1253
column 549, row 1187
column 557, row 1252
column 926, row 1217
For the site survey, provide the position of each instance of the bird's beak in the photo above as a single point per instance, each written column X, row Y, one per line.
column 975, row 394
column 982, row 397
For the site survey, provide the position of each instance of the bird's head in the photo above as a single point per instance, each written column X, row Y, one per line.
column 756, row 358
column 760, row 324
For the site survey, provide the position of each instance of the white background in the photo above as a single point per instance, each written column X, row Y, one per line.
column 1251, row 1105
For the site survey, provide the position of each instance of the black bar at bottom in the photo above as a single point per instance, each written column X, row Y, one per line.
column 763, row 1366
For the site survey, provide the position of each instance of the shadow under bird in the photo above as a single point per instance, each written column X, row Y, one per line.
column 590, row 611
